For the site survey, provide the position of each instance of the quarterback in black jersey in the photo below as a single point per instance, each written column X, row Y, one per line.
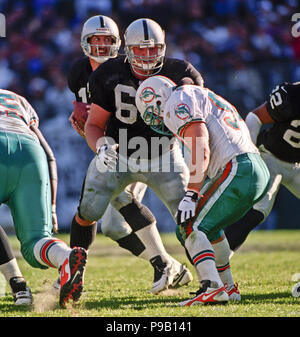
column 279, row 145
column 139, row 233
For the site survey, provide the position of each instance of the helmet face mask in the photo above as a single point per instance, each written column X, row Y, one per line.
column 145, row 47
column 100, row 25
column 152, row 117
column 151, row 98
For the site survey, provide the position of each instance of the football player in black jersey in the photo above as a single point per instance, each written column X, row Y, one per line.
column 115, row 130
column 100, row 41
column 279, row 145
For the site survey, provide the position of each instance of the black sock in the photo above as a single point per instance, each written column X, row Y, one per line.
column 82, row 236
column 132, row 243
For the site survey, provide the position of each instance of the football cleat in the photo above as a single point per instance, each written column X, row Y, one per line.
column 161, row 275
column 181, row 278
column 233, row 292
column 295, row 277
column 169, row 275
column 296, row 290
column 71, row 276
column 209, row 293
column 21, row 293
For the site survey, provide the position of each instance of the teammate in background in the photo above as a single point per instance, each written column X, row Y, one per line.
column 12, row 273
column 100, row 41
column 279, row 145
column 221, row 150
column 28, row 175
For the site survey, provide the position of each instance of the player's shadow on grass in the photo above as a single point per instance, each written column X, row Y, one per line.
column 279, row 297
column 140, row 304
column 130, row 302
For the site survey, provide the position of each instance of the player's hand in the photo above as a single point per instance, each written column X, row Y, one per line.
column 187, row 207
column 107, row 157
column 79, row 116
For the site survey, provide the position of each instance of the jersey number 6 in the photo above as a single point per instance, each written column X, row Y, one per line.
column 126, row 111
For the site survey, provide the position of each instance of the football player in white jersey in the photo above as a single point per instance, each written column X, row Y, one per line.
column 227, row 174
column 28, row 183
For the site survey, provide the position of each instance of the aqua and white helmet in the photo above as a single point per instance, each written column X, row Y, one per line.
column 100, row 25
column 150, row 100
column 145, row 33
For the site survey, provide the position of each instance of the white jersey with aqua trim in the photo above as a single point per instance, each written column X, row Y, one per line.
column 228, row 133
column 16, row 114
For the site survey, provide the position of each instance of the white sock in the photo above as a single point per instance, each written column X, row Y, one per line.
column 222, row 251
column 203, row 257
column 51, row 252
column 151, row 239
column 10, row 269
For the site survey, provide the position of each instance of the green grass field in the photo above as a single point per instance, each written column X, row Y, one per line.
column 117, row 284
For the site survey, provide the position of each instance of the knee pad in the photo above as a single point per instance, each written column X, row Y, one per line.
column 137, row 215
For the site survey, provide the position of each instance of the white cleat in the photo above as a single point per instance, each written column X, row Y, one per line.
column 162, row 277
column 169, row 275
column 182, row 277
column 208, row 294
column 295, row 277
column 296, row 290
column 21, row 293
column 23, row 297
column 233, row 292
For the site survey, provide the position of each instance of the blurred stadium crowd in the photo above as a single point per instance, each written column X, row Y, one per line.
column 242, row 47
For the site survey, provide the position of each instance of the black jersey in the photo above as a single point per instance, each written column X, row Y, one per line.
column 78, row 79
column 283, row 137
column 113, row 87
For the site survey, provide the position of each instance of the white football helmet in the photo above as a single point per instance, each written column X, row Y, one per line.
column 151, row 98
column 145, row 33
column 100, row 25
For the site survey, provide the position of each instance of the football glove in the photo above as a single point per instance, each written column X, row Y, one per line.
column 187, row 207
column 107, row 158
column 79, row 116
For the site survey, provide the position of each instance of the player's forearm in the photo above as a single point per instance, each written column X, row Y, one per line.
column 198, row 168
column 196, row 138
column 92, row 134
